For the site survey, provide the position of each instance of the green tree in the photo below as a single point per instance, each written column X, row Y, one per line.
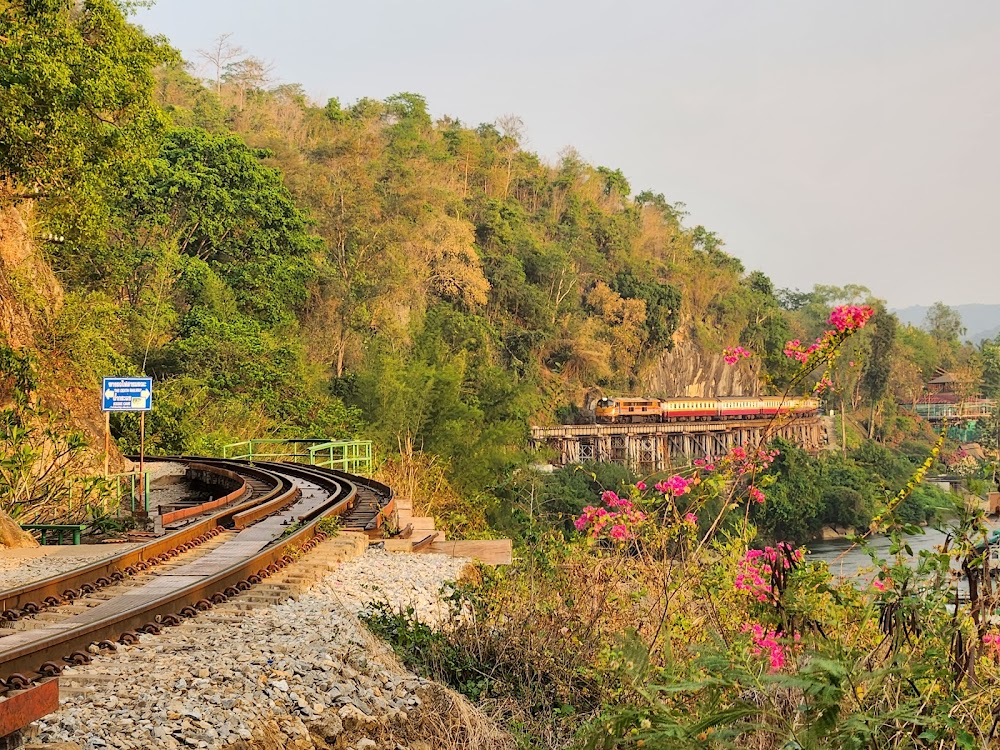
column 944, row 323
column 794, row 506
column 76, row 97
column 663, row 307
column 878, row 365
column 990, row 355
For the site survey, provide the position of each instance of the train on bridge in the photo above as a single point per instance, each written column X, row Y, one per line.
column 725, row 408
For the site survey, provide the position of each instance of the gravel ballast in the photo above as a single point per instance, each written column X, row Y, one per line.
column 299, row 674
column 19, row 567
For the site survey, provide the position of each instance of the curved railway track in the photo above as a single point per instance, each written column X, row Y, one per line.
column 215, row 556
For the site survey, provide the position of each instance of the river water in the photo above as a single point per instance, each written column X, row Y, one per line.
column 852, row 563
column 846, row 562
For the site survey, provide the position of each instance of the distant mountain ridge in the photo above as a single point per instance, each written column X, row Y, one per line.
column 980, row 321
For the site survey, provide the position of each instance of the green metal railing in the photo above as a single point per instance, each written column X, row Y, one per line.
column 134, row 486
column 110, row 495
column 354, row 456
column 971, row 409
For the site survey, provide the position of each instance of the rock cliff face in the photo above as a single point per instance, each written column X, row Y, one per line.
column 29, row 291
column 689, row 371
column 30, row 299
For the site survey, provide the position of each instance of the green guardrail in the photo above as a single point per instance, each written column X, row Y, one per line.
column 133, row 486
column 129, row 487
column 88, row 497
column 354, row 456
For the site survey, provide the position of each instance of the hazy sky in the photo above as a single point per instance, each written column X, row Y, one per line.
column 825, row 142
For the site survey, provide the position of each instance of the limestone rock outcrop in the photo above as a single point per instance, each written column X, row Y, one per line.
column 688, row 370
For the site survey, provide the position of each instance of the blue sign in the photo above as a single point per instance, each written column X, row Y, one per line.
column 128, row 394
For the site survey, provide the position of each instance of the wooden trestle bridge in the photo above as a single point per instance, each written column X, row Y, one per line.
column 652, row 447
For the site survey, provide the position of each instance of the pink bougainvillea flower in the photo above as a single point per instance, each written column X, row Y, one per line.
column 848, row 318
column 691, row 518
column 704, row 463
column 640, row 486
column 991, row 641
column 740, row 462
column 733, row 354
column 675, row 486
column 618, row 524
column 766, row 643
column 753, row 572
column 619, row 532
column 878, row 584
column 845, row 320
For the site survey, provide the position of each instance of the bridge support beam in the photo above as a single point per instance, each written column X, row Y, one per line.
column 653, row 448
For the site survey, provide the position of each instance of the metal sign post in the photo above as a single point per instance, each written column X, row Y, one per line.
column 128, row 394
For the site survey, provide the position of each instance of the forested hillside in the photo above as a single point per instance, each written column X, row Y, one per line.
column 283, row 267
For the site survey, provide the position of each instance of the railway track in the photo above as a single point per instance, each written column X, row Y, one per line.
column 269, row 518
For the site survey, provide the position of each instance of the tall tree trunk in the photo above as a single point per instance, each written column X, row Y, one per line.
column 843, row 428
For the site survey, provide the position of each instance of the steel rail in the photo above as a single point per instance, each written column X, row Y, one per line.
column 383, row 490
column 179, row 514
column 42, row 656
column 50, row 591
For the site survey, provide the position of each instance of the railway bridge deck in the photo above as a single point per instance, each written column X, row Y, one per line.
column 652, row 447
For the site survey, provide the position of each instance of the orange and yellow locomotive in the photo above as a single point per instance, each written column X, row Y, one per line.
column 632, row 409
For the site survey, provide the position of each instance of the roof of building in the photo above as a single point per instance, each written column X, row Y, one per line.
column 939, row 398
